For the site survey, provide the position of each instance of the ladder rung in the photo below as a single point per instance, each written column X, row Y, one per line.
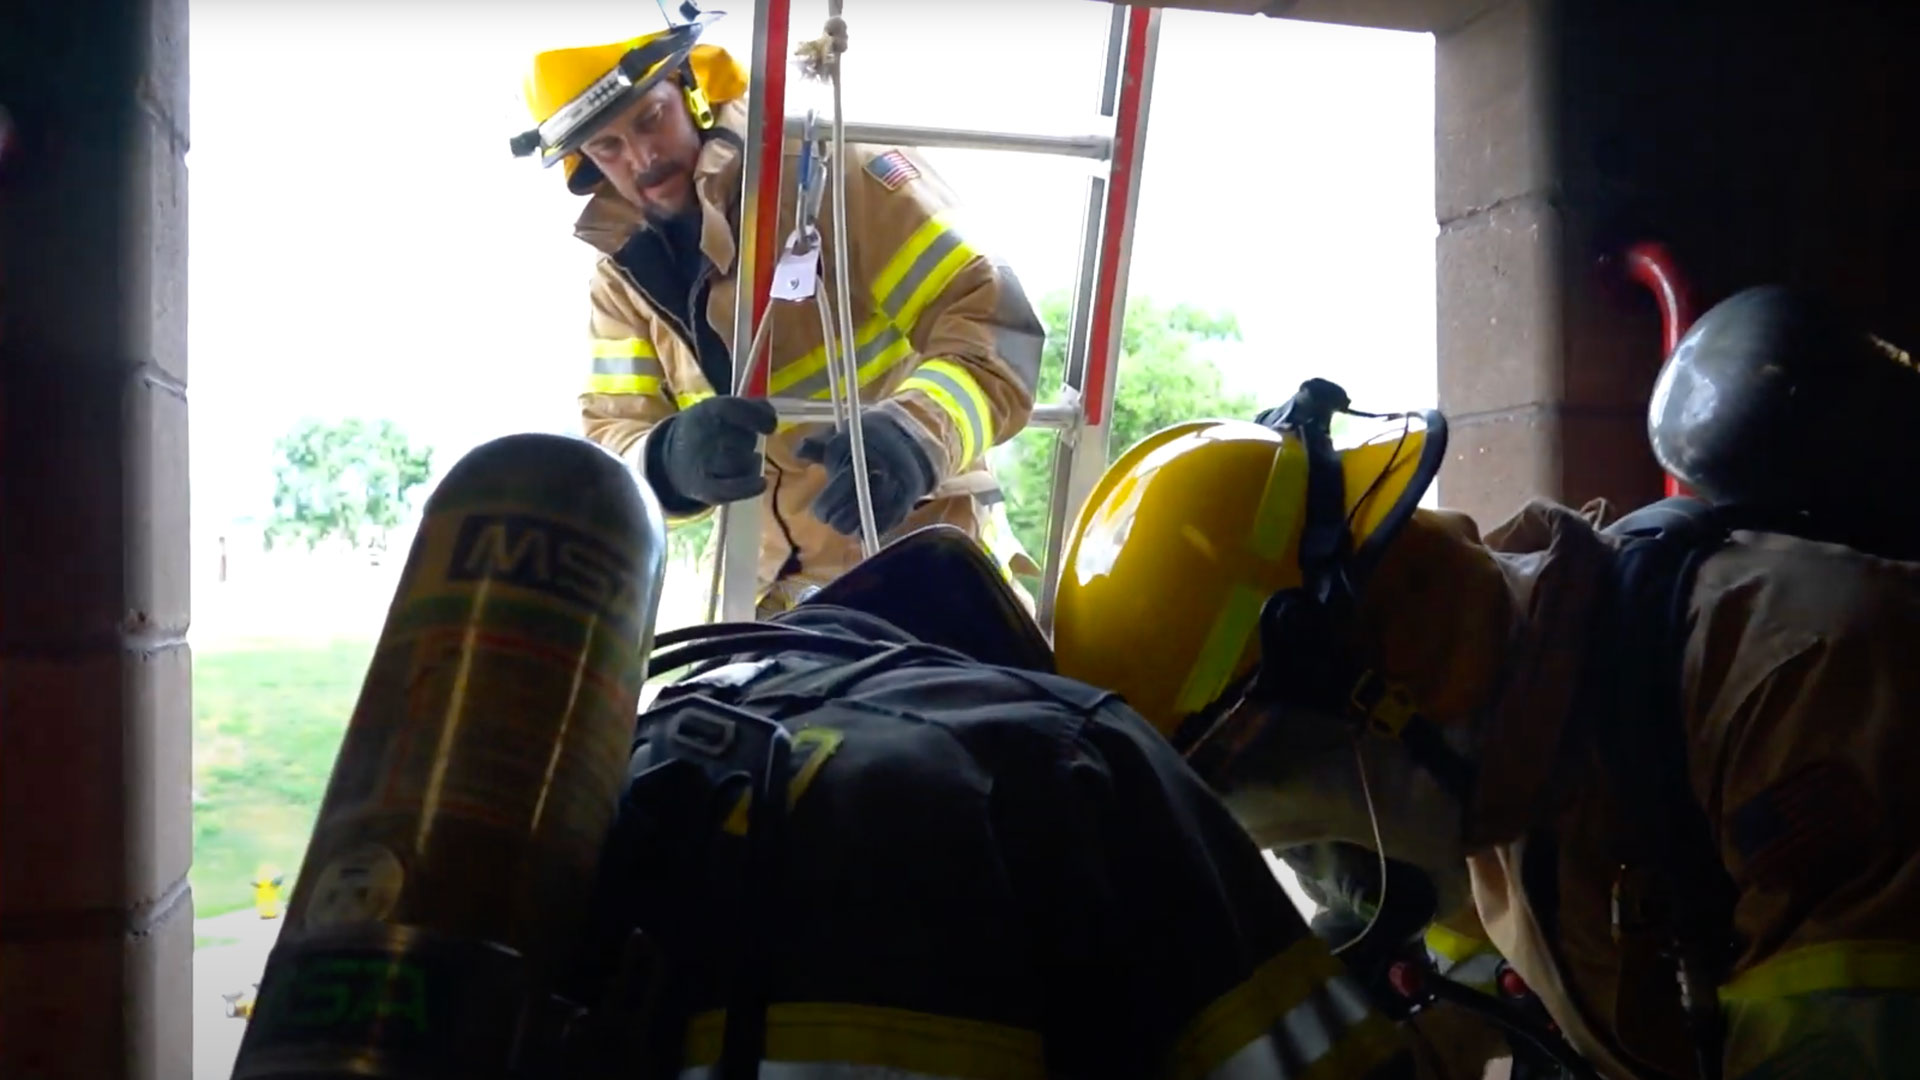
column 1097, row 147
column 814, row 411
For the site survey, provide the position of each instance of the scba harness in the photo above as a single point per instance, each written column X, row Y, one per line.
column 702, row 844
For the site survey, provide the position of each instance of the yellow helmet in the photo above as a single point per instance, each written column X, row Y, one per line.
column 1189, row 534
column 572, row 93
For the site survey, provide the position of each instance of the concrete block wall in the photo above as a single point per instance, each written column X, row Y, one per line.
column 96, row 920
column 1760, row 140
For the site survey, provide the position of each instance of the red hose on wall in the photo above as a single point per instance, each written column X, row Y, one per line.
column 1652, row 265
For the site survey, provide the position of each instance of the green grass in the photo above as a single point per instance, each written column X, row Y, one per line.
column 267, row 723
column 268, row 717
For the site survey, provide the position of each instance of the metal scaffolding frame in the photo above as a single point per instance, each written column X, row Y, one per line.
column 1080, row 419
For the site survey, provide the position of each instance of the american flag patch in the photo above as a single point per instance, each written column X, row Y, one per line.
column 892, row 169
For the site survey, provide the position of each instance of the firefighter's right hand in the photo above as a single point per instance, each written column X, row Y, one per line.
column 710, row 453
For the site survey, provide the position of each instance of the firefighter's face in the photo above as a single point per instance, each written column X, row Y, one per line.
column 648, row 152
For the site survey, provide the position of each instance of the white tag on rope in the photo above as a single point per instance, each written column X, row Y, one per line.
column 797, row 274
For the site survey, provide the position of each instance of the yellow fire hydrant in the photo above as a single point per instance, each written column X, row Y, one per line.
column 266, row 892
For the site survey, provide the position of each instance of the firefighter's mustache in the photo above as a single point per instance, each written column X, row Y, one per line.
column 656, row 176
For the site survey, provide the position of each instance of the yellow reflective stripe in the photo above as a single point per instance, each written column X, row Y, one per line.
column 690, row 398
column 920, row 270
column 623, row 348
column 958, row 393
column 624, row 366
column 878, row 346
column 1838, row 965
column 997, row 534
column 1454, row 945
column 811, row 747
column 1276, row 521
column 622, row 384
column 934, row 1046
column 1276, row 527
column 1289, row 999
column 917, row 244
column 1219, row 655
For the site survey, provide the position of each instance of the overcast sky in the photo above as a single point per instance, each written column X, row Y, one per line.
column 363, row 243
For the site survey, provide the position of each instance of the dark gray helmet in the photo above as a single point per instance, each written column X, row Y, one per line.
column 1776, row 404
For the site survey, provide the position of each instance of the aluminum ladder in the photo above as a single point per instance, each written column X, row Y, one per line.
column 1080, row 420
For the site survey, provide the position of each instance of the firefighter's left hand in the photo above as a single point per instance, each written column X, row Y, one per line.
column 898, row 474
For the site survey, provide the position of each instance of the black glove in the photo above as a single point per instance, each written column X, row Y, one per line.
column 708, row 454
column 898, row 474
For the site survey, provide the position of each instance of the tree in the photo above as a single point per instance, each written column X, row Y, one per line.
column 1161, row 381
column 347, row 482
column 687, row 541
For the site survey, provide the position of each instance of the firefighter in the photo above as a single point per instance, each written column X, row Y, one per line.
column 650, row 130
column 976, row 868
column 1348, row 667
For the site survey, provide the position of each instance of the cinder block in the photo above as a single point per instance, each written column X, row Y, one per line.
column 158, row 972
column 155, row 242
column 159, row 784
column 157, row 557
column 1491, row 79
column 62, row 772
column 1496, row 463
column 60, row 1009
column 1499, row 310
column 164, row 65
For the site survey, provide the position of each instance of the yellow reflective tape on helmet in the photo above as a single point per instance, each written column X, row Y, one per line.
column 1276, row 520
column 1303, row 1001
column 624, row 366
column 959, row 395
column 860, row 1038
column 1220, row 654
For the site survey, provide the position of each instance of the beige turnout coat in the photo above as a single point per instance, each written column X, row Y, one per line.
column 947, row 342
column 1802, row 713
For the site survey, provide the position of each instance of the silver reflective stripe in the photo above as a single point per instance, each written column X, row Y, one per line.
column 1478, row 970
column 627, row 365
column 1022, row 352
column 1018, row 335
column 896, row 300
column 816, row 1070
column 1308, row 1032
column 815, row 385
column 962, row 396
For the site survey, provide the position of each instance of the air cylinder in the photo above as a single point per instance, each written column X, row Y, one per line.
column 453, row 857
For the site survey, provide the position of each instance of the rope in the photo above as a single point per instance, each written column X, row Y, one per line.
column 820, row 60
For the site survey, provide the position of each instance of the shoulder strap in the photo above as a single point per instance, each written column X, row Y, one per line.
column 1641, row 738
